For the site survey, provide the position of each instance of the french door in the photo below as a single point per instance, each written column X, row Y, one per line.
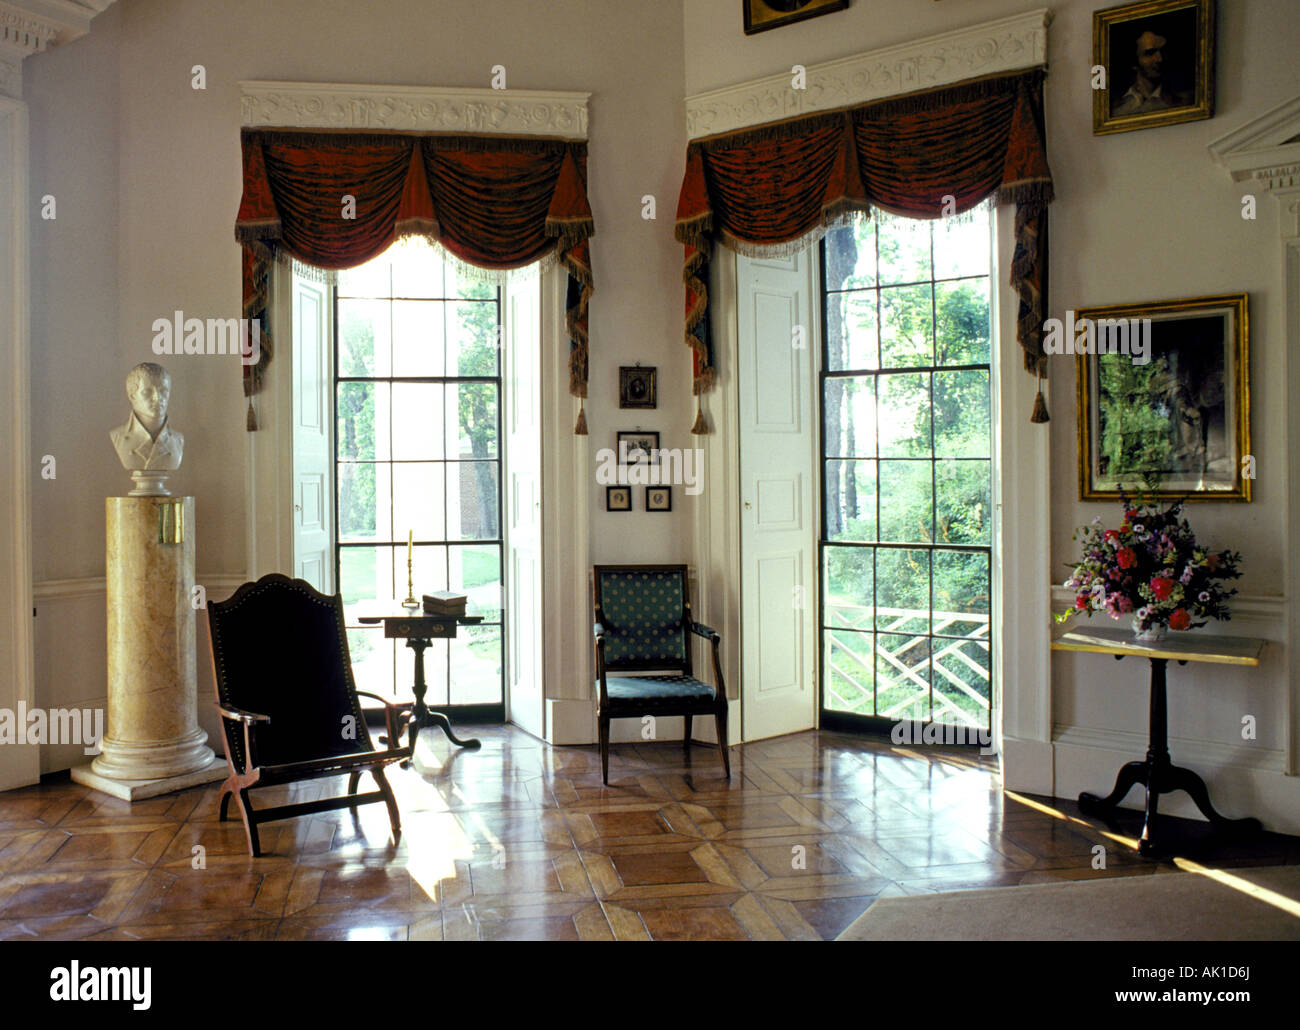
column 906, row 542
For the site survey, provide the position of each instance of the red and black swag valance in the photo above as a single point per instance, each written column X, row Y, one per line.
column 759, row 190
column 493, row 202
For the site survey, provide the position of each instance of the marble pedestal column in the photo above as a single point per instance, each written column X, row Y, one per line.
column 152, row 743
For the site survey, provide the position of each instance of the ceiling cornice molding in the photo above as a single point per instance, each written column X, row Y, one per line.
column 321, row 105
column 1005, row 45
column 30, row 26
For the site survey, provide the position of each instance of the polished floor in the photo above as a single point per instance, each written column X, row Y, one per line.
column 522, row 841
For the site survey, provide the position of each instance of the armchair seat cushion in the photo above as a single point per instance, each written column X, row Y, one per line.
column 648, row 689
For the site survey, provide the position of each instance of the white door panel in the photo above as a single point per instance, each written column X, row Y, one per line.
column 777, row 333
column 523, row 468
column 313, row 446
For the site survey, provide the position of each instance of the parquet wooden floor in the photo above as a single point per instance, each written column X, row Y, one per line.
column 522, row 841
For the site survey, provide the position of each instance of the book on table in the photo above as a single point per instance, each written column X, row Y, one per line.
column 444, row 602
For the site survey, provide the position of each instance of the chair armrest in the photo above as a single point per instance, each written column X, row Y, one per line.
column 240, row 715
column 707, row 632
column 248, row 719
column 391, row 713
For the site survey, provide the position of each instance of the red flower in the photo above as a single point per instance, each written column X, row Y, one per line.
column 1126, row 557
column 1112, row 535
column 1162, row 588
column 1212, row 562
column 1081, row 602
column 1179, row 619
column 1130, row 514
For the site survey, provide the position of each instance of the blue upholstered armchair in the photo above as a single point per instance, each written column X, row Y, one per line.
column 644, row 625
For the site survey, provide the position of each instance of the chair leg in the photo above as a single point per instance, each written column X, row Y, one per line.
column 250, row 824
column 227, row 790
column 686, row 737
column 353, row 779
column 721, row 719
column 603, row 721
column 394, row 816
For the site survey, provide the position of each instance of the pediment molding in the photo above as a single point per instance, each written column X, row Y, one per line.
column 990, row 48
column 1266, row 150
column 320, row 105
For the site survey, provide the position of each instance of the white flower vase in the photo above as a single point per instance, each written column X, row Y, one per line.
column 1153, row 633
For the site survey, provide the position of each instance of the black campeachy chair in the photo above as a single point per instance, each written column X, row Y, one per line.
column 288, row 703
column 644, row 624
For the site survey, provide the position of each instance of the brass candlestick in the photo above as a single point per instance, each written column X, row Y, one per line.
column 410, row 601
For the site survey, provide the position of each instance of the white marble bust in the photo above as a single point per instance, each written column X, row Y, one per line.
column 147, row 442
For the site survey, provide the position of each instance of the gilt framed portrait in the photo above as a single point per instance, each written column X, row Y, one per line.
column 1153, row 64
column 761, row 15
column 1164, row 400
column 636, row 387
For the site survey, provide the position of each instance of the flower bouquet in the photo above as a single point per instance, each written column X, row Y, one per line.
column 1152, row 569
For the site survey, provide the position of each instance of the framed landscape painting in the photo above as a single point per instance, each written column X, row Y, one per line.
column 1164, row 400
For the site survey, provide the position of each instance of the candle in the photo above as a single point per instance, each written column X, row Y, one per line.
column 410, row 539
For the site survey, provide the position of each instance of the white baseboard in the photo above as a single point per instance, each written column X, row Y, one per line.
column 1027, row 766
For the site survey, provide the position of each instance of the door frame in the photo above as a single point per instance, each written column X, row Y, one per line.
column 20, row 764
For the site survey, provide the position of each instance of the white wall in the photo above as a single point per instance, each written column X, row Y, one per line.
column 1138, row 216
column 146, row 171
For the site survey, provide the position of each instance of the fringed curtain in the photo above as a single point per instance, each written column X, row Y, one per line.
column 774, row 189
column 336, row 200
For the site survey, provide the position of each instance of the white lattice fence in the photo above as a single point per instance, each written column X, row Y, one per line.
column 946, row 655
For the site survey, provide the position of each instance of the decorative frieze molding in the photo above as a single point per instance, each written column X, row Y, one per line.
column 21, row 33
column 1005, row 45
column 318, row 105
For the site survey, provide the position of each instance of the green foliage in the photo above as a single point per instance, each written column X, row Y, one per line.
column 1136, row 435
column 356, row 427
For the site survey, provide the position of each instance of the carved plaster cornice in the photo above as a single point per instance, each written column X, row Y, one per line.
column 1005, row 45
column 28, row 27
column 319, row 105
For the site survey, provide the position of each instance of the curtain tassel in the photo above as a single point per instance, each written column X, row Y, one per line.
column 250, row 421
column 580, row 428
column 1040, row 406
column 701, row 427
